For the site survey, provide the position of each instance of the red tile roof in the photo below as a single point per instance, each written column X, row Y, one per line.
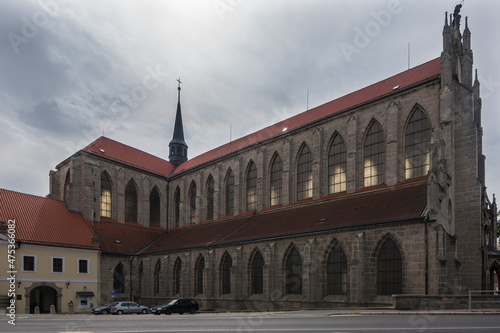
column 119, row 152
column 131, row 238
column 405, row 202
column 45, row 221
column 407, row 79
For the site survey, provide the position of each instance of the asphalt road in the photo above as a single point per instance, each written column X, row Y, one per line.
column 294, row 321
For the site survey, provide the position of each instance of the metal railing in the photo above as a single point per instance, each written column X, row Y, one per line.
column 494, row 292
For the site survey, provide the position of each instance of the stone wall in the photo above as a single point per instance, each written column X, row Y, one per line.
column 361, row 247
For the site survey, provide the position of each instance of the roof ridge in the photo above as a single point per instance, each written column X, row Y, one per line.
column 122, row 144
column 410, row 78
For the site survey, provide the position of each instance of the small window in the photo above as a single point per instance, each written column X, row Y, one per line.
column 57, row 265
column 29, row 263
column 83, row 266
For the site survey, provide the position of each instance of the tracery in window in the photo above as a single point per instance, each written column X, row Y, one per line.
column 210, row 198
column 374, row 156
column 229, row 193
column 131, row 202
column 251, row 187
column 337, row 165
column 192, row 203
column 304, row 174
column 106, row 193
column 276, row 182
column 417, row 145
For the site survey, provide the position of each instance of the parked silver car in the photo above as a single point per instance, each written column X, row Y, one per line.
column 128, row 307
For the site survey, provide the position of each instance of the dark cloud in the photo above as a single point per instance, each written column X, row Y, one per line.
column 88, row 69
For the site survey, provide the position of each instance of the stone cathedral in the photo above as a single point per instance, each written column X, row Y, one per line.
column 374, row 198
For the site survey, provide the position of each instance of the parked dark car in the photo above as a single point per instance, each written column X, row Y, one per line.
column 104, row 310
column 180, row 305
column 128, row 307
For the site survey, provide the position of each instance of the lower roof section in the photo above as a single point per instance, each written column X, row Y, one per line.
column 404, row 202
column 121, row 238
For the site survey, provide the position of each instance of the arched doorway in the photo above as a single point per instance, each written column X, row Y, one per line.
column 43, row 297
column 494, row 275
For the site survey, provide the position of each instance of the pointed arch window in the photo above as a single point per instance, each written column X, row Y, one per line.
column 417, row 145
column 374, row 156
column 177, row 207
column 276, row 181
column 105, row 195
column 336, row 272
column 154, row 208
column 131, row 202
column 251, row 187
column 227, row 264
column 200, row 267
column 192, row 203
column 156, row 287
column 119, row 279
column 293, row 273
column 210, row 198
column 337, row 165
column 257, row 273
column 304, row 174
column 389, row 269
column 229, row 193
column 177, row 276
column 66, row 186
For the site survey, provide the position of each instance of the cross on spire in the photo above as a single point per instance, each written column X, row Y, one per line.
column 179, row 80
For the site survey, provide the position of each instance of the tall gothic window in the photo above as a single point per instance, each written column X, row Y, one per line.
column 177, row 207
column 154, row 208
column 293, row 273
column 304, row 174
column 229, row 193
column 251, row 185
column 192, row 203
column 257, row 273
column 337, row 165
column 177, row 276
column 276, row 181
column 119, row 279
column 200, row 267
column 417, row 145
column 156, row 287
column 66, row 186
column 105, row 195
column 374, row 156
column 336, row 272
column 227, row 263
column 131, row 202
column 389, row 269
column 210, row 198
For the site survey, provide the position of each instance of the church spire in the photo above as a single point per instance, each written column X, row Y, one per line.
column 178, row 147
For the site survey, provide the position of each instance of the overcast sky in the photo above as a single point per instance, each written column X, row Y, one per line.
column 73, row 70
